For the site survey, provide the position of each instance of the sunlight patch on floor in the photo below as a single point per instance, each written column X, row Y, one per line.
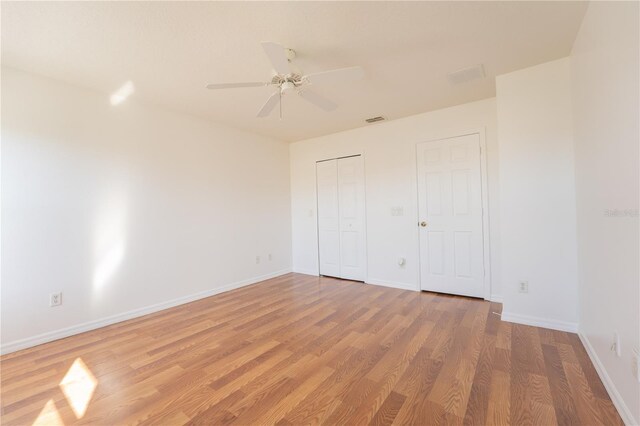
column 49, row 416
column 78, row 386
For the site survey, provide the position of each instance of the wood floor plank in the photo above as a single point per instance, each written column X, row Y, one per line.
column 587, row 406
column 499, row 407
column 563, row 401
column 320, row 403
column 299, row 349
column 476, row 411
column 389, row 409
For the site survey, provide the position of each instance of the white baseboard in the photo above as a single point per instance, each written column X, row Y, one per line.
column 39, row 339
column 571, row 327
column 392, row 284
column 497, row 298
column 305, row 272
column 615, row 396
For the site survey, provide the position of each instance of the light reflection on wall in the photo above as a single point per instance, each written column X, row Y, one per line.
column 122, row 93
column 110, row 240
column 108, row 264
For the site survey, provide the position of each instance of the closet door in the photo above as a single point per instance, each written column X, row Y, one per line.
column 328, row 218
column 351, row 207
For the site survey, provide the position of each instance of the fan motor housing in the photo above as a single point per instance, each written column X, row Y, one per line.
column 293, row 78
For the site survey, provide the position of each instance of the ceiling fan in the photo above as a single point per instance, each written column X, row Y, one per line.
column 286, row 80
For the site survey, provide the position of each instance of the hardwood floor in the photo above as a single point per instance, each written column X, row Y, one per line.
column 300, row 349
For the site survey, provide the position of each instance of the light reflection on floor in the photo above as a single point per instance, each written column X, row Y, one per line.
column 49, row 415
column 78, row 386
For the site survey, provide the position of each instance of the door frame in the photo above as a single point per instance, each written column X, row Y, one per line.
column 484, row 193
column 364, row 214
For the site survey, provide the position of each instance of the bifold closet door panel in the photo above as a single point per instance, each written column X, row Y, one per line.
column 351, row 206
column 328, row 218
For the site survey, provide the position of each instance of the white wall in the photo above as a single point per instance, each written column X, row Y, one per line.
column 390, row 163
column 537, row 195
column 123, row 207
column 605, row 74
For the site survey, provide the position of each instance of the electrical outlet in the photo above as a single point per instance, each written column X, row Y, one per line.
column 523, row 287
column 55, row 299
column 615, row 344
column 257, row 260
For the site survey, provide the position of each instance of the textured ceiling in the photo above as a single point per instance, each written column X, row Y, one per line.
column 171, row 50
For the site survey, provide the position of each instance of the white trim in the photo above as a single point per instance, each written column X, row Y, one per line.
column 616, row 398
column 392, row 284
column 497, row 298
column 486, row 230
column 484, row 178
column 39, row 339
column 571, row 327
column 305, row 272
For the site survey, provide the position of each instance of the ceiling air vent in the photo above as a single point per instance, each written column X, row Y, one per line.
column 375, row 119
column 467, row 74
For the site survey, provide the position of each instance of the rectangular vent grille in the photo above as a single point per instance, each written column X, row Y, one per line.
column 375, row 119
column 467, row 74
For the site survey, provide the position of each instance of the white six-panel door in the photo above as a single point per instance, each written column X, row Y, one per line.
column 450, row 216
column 341, row 218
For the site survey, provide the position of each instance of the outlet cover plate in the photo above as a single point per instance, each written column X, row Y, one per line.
column 55, row 299
column 523, row 287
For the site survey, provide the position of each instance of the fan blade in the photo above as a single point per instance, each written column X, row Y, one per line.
column 234, row 85
column 278, row 57
column 269, row 105
column 336, row 76
column 317, row 100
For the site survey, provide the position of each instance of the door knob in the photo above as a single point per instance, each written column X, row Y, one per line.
column 423, row 224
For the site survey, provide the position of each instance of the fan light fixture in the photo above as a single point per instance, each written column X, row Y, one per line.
column 287, row 86
column 288, row 81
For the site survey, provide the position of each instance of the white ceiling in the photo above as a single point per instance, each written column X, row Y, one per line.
column 170, row 50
